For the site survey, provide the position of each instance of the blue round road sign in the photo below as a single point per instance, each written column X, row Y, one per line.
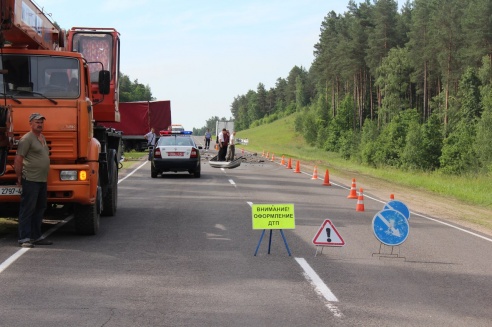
column 398, row 206
column 390, row 227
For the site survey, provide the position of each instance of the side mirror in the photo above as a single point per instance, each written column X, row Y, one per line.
column 104, row 80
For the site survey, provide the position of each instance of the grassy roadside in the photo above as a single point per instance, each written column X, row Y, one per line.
column 132, row 157
column 280, row 139
column 8, row 226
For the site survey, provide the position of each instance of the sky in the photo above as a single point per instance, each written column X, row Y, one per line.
column 200, row 54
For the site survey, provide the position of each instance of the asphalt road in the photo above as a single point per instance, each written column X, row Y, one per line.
column 180, row 252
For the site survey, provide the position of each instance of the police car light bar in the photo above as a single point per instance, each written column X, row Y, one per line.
column 162, row 133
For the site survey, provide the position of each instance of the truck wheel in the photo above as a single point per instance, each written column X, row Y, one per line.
column 110, row 199
column 153, row 172
column 86, row 219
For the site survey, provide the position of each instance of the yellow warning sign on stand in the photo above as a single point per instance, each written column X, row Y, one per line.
column 273, row 216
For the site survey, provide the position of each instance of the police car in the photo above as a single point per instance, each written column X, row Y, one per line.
column 175, row 151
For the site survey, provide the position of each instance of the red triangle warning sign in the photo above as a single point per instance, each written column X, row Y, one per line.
column 328, row 235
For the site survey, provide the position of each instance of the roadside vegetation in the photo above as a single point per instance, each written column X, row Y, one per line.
column 132, row 157
column 8, row 226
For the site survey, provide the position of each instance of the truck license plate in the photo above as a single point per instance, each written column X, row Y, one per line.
column 175, row 154
column 10, row 190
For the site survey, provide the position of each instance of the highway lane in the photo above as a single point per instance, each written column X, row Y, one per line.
column 180, row 252
column 444, row 278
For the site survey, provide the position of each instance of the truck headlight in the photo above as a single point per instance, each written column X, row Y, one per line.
column 68, row 175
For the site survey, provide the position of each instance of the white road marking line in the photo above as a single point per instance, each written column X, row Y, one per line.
column 438, row 221
column 319, row 286
column 4, row 265
column 121, row 180
column 20, row 252
column 232, row 182
column 12, row 259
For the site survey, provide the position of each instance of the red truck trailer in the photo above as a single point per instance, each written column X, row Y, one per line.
column 138, row 117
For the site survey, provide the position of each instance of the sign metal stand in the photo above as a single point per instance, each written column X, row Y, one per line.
column 392, row 254
column 270, row 241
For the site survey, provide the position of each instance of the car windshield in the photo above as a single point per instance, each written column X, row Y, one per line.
column 175, row 140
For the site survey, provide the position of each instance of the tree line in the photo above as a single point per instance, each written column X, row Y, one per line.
column 408, row 88
column 133, row 91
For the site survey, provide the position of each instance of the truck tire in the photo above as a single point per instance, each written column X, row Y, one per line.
column 86, row 219
column 110, row 199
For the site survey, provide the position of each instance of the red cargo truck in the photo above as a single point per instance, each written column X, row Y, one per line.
column 138, row 117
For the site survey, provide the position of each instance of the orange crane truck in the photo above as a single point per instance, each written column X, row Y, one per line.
column 71, row 78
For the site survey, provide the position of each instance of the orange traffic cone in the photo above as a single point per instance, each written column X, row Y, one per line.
column 273, row 157
column 268, row 155
column 282, row 162
column 353, row 190
column 289, row 164
column 360, row 201
column 326, row 181
column 315, row 173
column 298, row 167
column 263, row 153
column 392, row 196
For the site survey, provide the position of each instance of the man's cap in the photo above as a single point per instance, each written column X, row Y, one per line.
column 36, row 116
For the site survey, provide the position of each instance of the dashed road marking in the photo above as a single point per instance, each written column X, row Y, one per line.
column 320, row 287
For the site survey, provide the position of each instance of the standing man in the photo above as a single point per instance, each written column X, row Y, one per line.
column 207, row 139
column 222, row 145
column 32, row 165
column 231, row 152
column 150, row 137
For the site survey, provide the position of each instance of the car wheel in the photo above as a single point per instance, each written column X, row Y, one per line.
column 197, row 172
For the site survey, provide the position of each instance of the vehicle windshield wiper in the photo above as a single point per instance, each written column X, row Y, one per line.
column 11, row 97
column 37, row 93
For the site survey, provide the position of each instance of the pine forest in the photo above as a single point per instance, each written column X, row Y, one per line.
column 409, row 88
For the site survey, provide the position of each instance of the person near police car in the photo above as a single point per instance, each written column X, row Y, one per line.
column 223, row 142
column 208, row 136
column 150, row 137
column 231, row 150
column 32, row 165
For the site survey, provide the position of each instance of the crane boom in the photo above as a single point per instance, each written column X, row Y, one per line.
column 24, row 24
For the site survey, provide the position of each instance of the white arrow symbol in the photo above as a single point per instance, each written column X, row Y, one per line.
column 390, row 223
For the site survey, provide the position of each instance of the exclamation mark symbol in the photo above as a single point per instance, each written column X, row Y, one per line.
column 328, row 235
